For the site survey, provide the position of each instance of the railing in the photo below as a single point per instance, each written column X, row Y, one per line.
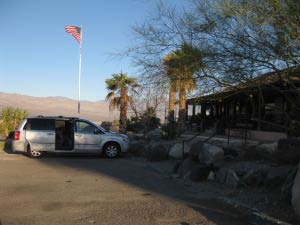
column 243, row 131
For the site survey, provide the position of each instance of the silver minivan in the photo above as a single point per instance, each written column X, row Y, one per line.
column 37, row 135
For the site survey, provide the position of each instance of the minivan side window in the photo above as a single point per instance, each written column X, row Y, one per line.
column 84, row 127
column 39, row 124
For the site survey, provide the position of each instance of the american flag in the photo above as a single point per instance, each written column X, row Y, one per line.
column 74, row 31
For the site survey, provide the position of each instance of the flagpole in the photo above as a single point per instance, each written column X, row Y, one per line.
column 79, row 71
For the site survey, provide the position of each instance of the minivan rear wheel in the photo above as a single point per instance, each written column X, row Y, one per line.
column 33, row 154
column 111, row 150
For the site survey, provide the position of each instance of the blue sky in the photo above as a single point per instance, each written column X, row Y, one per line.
column 38, row 58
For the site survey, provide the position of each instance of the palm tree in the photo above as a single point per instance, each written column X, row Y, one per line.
column 180, row 66
column 118, row 97
column 173, row 86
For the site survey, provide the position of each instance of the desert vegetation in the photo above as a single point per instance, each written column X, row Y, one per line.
column 10, row 119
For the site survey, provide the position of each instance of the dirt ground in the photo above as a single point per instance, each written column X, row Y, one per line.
column 94, row 190
column 209, row 193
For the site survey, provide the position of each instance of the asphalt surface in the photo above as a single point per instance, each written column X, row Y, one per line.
column 94, row 190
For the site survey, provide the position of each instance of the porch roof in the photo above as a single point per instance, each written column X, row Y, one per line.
column 277, row 78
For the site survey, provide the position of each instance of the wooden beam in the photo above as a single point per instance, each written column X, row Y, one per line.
column 194, row 110
column 259, row 108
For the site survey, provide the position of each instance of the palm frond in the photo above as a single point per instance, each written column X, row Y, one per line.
column 110, row 96
column 111, row 84
column 114, row 103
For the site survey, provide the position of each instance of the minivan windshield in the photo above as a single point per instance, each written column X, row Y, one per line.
column 103, row 129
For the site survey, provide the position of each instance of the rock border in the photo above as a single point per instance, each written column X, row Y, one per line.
column 255, row 216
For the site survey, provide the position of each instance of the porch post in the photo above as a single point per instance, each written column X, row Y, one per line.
column 259, row 109
column 217, row 109
column 194, row 110
column 203, row 110
column 234, row 109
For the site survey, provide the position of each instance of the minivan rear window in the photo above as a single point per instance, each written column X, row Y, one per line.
column 39, row 124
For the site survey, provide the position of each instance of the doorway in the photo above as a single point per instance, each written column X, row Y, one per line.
column 64, row 135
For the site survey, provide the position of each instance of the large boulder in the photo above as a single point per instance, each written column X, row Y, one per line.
column 207, row 153
column 154, row 135
column 195, row 150
column 137, row 147
column 286, row 189
column 296, row 192
column 211, row 154
column 232, row 179
column 252, row 173
column 221, row 174
column 288, row 151
column 185, row 167
column 268, row 147
column 200, row 172
column 243, row 167
column 256, row 175
column 156, row 151
column 255, row 153
column 227, row 176
column 176, row 151
column 276, row 176
column 231, row 152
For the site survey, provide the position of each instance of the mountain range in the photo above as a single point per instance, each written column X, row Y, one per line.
column 58, row 106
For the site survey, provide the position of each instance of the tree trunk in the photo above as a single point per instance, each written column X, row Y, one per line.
column 171, row 104
column 123, row 110
column 182, row 109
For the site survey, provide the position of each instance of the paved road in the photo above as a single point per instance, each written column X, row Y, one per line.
column 94, row 190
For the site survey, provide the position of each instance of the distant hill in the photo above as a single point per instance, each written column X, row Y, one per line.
column 58, row 106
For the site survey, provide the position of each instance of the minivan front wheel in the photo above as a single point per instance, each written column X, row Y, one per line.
column 34, row 154
column 111, row 150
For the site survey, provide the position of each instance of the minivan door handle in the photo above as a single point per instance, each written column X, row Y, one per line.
column 78, row 135
column 50, row 134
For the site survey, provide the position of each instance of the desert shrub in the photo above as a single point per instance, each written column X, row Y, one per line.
column 145, row 122
column 115, row 126
column 135, row 124
column 171, row 130
column 10, row 119
column 150, row 120
column 152, row 123
column 106, row 125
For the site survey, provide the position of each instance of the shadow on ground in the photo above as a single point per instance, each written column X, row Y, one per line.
column 127, row 170
column 8, row 146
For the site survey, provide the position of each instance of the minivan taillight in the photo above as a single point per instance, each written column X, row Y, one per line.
column 17, row 135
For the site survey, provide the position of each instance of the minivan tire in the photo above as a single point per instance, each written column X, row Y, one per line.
column 111, row 150
column 33, row 154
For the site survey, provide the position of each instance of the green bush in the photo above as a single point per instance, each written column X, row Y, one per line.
column 146, row 122
column 10, row 119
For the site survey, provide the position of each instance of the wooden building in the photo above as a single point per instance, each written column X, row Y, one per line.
column 267, row 107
